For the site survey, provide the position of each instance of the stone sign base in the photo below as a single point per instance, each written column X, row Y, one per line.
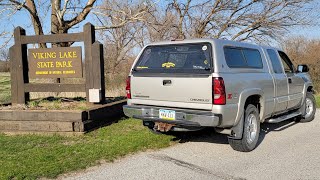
column 59, row 121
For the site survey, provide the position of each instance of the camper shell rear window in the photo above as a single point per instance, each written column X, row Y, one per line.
column 238, row 57
column 176, row 58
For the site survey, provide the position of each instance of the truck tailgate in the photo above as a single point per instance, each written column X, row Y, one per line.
column 183, row 92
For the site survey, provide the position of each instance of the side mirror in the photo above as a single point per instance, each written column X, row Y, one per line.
column 302, row 68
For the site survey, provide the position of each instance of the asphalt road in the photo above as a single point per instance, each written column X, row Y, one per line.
column 286, row 151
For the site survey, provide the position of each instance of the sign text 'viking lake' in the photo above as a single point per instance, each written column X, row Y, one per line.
column 58, row 62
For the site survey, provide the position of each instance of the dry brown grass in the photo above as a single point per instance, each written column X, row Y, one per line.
column 114, row 88
column 304, row 51
column 4, row 66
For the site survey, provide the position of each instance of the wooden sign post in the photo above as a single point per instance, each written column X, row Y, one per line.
column 62, row 62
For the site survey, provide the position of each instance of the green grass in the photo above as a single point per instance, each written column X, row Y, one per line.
column 318, row 100
column 5, row 86
column 34, row 156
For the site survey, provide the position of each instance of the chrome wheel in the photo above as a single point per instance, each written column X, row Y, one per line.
column 252, row 128
column 309, row 108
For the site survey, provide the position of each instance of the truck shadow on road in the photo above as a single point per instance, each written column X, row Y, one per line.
column 267, row 128
column 204, row 135
column 209, row 134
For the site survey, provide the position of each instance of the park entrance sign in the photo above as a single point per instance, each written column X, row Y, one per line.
column 57, row 62
column 61, row 62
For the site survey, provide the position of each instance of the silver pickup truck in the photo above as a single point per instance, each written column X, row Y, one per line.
column 231, row 86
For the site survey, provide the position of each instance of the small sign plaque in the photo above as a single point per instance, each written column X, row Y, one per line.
column 58, row 62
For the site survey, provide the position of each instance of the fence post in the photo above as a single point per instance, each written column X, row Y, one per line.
column 98, row 69
column 19, row 68
column 89, row 39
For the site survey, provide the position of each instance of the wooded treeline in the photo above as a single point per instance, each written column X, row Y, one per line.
column 305, row 51
column 126, row 26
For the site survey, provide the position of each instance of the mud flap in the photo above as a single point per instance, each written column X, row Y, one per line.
column 237, row 130
column 303, row 108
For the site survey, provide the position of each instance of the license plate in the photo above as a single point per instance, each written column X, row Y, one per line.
column 167, row 114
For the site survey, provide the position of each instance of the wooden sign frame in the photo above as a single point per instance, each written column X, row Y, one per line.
column 94, row 64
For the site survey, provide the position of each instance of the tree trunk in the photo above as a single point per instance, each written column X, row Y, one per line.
column 35, row 20
column 55, row 5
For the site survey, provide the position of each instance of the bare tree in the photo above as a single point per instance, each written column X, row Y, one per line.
column 118, row 45
column 64, row 15
column 70, row 13
column 113, row 14
column 118, row 55
column 6, row 36
column 118, row 24
column 121, row 24
column 305, row 51
column 4, row 56
column 182, row 10
column 256, row 20
column 159, row 26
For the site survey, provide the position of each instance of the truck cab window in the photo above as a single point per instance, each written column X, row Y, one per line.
column 276, row 65
column 238, row 57
column 287, row 64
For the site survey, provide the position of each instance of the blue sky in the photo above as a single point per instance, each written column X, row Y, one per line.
column 312, row 32
column 20, row 19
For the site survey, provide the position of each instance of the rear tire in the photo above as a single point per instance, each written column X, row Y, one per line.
column 310, row 105
column 251, row 131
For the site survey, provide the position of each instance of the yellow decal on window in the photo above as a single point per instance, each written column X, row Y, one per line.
column 168, row 65
column 142, row 67
column 205, row 62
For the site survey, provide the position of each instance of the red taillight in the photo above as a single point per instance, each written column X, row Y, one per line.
column 218, row 91
column 128, row 88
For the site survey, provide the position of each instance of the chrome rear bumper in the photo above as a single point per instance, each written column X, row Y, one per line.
column 187, row 118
